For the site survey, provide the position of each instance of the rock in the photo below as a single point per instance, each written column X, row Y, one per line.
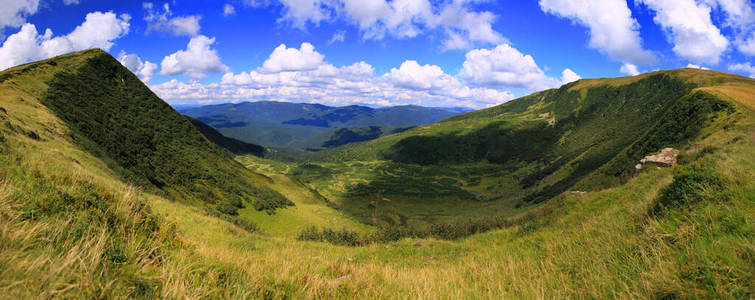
column 552, row 122
column 545, row 115
column 581, row 194
column 638, row 167
column 666, row 158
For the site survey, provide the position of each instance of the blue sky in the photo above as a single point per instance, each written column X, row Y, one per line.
column 472, row 53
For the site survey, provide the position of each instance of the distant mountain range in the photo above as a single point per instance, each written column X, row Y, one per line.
column 312, row 126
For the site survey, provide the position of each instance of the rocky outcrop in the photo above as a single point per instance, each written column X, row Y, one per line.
column 666, row 158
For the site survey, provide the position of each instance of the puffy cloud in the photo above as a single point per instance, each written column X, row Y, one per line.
column 505, row 66
column 693, row 66
column 462, row 26
column 14, row 12
column 411, row 75
column 613, row 31
column 195, row 61
column 291, row 59
column 70, row 2
column 145, row 70
column 165, row 22
column 410, row 83
column 629, row 69
column 98, row 30
column 228, row 10
column 568, row 76
column 743, row 67
column 689, row 25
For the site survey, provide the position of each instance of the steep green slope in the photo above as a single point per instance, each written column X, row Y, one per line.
column 113, row 115
column 302, row 125
column 585, row 135
column 233, row 145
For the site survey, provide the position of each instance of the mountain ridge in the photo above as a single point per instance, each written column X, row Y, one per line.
column 302, row 125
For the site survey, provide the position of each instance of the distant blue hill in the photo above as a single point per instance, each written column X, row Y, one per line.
column 315, row 126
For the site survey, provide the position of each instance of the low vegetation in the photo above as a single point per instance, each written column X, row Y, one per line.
column 73, row 224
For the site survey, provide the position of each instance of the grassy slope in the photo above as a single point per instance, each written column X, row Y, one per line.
column 491, row 161
column 113, row 115
column 603, row 245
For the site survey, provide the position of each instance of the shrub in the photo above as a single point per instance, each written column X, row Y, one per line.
column 692, row 184
column 343, row 237
column 271, row 202
column 227, row 208
column 310, row 234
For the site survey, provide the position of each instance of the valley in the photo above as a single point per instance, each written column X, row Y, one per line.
column 108, row 192
column 312, row 126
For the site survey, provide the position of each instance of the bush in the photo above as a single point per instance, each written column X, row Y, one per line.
column 270, row 202
column 692, row 184
column 343, row 237
column 227, row 208
column 245, row 224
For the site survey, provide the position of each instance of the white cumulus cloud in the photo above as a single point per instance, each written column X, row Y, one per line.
column 165, row 21
column 412, row 75
column 198, row 58
column 568, row 76
column 743, row 67
column 694, row 66
column 613, row 31
column 320, row 82
column 98, row 31
column 629, row 69
column 505, row 66
column 15, row 12
column 291, row 59
column 145, row 70
column 688, row 24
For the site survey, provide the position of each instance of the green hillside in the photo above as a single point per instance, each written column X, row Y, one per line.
column 233, row 145
column 114, row 116
column 94, row 202
column 584, row 136
column 301, row 125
